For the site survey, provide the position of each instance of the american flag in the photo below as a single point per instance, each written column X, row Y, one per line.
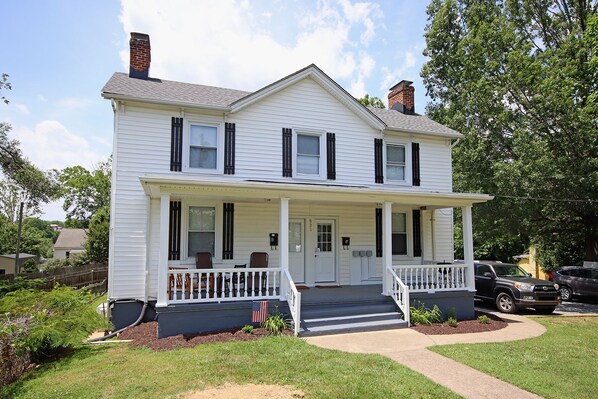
column 259, row 312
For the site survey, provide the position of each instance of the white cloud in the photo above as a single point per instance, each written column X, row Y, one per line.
column 23, row 108
column 228, row 43
column 49, row 145
column 404, row 71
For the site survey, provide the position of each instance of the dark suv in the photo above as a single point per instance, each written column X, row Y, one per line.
column 511, row 287
column 576, row 280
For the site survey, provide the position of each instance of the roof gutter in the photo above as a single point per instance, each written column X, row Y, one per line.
column 455, row 135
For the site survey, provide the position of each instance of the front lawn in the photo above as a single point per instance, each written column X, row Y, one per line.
column 122, row 372
column 562, row 363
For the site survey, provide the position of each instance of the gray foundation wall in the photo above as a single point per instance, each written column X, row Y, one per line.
column 461, row 302
column 125, row 313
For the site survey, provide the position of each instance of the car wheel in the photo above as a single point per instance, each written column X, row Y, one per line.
column 566, row 293
column 505, row 303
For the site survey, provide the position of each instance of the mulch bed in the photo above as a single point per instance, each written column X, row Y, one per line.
column 465, row 326
column 146, row 334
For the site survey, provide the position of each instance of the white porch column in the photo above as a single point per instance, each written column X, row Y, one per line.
column 283, row 242
column 163, row 256
column 386, row 245
column 468, row 245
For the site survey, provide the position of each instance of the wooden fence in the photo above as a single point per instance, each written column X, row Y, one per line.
column 75, row 276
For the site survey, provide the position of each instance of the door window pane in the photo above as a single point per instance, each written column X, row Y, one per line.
column 295, row 239
column 324, row 238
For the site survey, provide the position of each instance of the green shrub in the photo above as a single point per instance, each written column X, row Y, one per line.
column 452, row 322
column 247, row 329
column 30, row 266
column 275, row 323
column 56, row 320
column 423, row 315
column 451, row 313
column 19, row 283
column 483, row 319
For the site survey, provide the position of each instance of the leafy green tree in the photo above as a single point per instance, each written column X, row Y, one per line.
column 37, row 237
column 4, row 84
column 371, row 101
column 98, row 236
column 519, row 79
column 85, row 192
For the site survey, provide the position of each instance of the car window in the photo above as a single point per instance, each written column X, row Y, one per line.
column 505, row 270
column 481, row 269
column 595, row 273
column 565, row 272
column 584, row 273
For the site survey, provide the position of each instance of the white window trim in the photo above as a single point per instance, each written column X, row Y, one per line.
column 323, row 161
column 185, row 258
column 408, row 172
column 218, row 124
column 409, row 227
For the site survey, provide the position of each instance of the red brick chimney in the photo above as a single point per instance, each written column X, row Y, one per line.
column 401, row 97
column 140, row 55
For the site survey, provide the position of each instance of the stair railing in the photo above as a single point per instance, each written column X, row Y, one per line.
column 399, row 293
column 293, row 297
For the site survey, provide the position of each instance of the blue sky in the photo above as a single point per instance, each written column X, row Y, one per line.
column 60, row 53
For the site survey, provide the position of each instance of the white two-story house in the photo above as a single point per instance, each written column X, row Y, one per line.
column 335, row 193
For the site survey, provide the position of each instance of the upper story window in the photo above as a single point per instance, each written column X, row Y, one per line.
column 399, row 233
column 202, row 230
column 395, row 162
column 203, row 147
column 308, row 154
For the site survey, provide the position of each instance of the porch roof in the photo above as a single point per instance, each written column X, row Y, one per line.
column 231, row 190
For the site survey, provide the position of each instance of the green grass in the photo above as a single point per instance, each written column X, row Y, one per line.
column 122, row 372
column 562, row 363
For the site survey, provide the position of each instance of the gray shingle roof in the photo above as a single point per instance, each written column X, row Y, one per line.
column 419, row 123
column 71, row 239
column 121, row 85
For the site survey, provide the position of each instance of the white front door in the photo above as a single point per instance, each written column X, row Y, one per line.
column 325, row 251
column 297, row 250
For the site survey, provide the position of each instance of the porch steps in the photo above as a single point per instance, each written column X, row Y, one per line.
column 353, row 316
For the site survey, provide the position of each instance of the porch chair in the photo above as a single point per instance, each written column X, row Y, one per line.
column 203, row 260
column 259, row 260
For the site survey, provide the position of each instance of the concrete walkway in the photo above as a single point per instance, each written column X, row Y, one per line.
column 408, row 347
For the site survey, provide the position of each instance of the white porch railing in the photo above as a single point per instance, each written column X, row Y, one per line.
column 220, row 285
column 400, row 294
column 434, row 278
column 293, row 297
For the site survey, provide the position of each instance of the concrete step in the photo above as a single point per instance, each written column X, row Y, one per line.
column 353, row 319
column 339, row 328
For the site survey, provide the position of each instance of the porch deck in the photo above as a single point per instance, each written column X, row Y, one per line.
column 340, row 294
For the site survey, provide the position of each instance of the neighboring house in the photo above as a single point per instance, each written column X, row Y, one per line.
column 7, row 262
column 529, row 263
column 336, row 193
column 69, row 242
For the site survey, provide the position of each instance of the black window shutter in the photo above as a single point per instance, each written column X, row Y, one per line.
column 174, row 231
column 229, row 148
column 331, row 155
column 417, row 233
column 287, row 152
column 415, row 163
column 378, row 167
column 176, row 144
column 228, row 226
column 378, row 232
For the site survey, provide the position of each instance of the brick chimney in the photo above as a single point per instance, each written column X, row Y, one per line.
column 140, row 55
column 401, row 97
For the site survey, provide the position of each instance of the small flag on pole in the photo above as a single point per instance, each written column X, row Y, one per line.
column 259, row 312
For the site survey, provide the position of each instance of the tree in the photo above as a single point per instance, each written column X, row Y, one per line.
column 371, row 101
column 98, row 236
column 85, row 192
column 4, row 84
column 519, row 79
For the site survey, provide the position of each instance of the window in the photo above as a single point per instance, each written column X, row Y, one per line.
column 308, row 154
column 481, row 269
column 395, row 162
column 203, row 146
column 202, row 230
column 399, row 234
